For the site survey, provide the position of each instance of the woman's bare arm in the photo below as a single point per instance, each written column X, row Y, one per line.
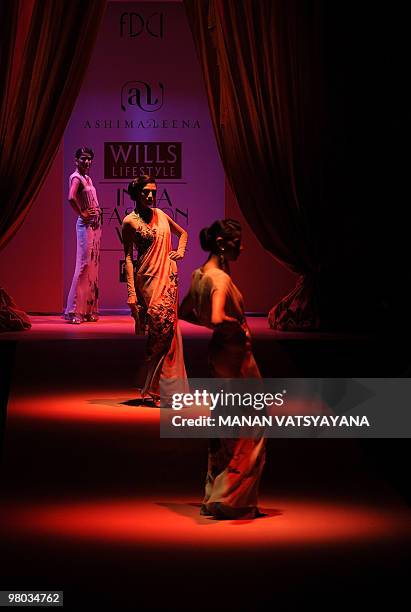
column 127, row 233
column 177, row 230
column 218, row 315
column 72, row 195
column 74, row 189
column 186, row 310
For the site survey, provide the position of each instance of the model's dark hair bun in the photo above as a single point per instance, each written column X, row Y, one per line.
column 84, row 151
column 137, row 185
column 205, row 241
column 223, row 228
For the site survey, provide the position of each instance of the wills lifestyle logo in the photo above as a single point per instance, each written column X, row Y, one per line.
column 142, row 95
column 133, row 25
column 128, row 160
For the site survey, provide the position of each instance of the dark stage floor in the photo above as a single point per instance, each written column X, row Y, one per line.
column 54, row 327
column 96, row 504
column 111, row 346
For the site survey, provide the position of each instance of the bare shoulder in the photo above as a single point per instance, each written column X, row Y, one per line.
column 75, row 177
column 129, row 221
column 219, row 279
column 75, row 181
column 161, row 213
column 218, row 273
column 163, row 218
column 175, row 227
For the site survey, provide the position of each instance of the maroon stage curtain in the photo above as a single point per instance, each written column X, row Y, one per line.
column 11, row 317
column 263, row 75
column 45, row 48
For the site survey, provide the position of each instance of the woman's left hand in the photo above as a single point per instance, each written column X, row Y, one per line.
column 175, row 255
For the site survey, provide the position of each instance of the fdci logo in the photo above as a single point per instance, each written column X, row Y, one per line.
column 142, row 95
column 135, row 24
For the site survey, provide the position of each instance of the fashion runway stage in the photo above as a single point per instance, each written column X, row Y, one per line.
column 96, row 504
column 114, row 351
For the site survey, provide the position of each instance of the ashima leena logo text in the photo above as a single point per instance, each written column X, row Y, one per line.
column 142, row 95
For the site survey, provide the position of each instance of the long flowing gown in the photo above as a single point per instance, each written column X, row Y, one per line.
column 83, row 296
column 234, row 465
column 155, row 284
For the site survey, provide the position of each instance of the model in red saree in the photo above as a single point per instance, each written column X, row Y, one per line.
column 234, row 465
column 153, row 288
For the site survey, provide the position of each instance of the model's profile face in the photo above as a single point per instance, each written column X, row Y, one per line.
column 84, row 162
column 233, row 246
column 149, row 194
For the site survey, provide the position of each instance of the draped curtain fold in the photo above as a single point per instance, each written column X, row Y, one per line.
column 263, row 73
column 45, row 48
column 35, row 112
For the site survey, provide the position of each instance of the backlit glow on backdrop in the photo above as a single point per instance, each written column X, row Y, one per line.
column 143, row 109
